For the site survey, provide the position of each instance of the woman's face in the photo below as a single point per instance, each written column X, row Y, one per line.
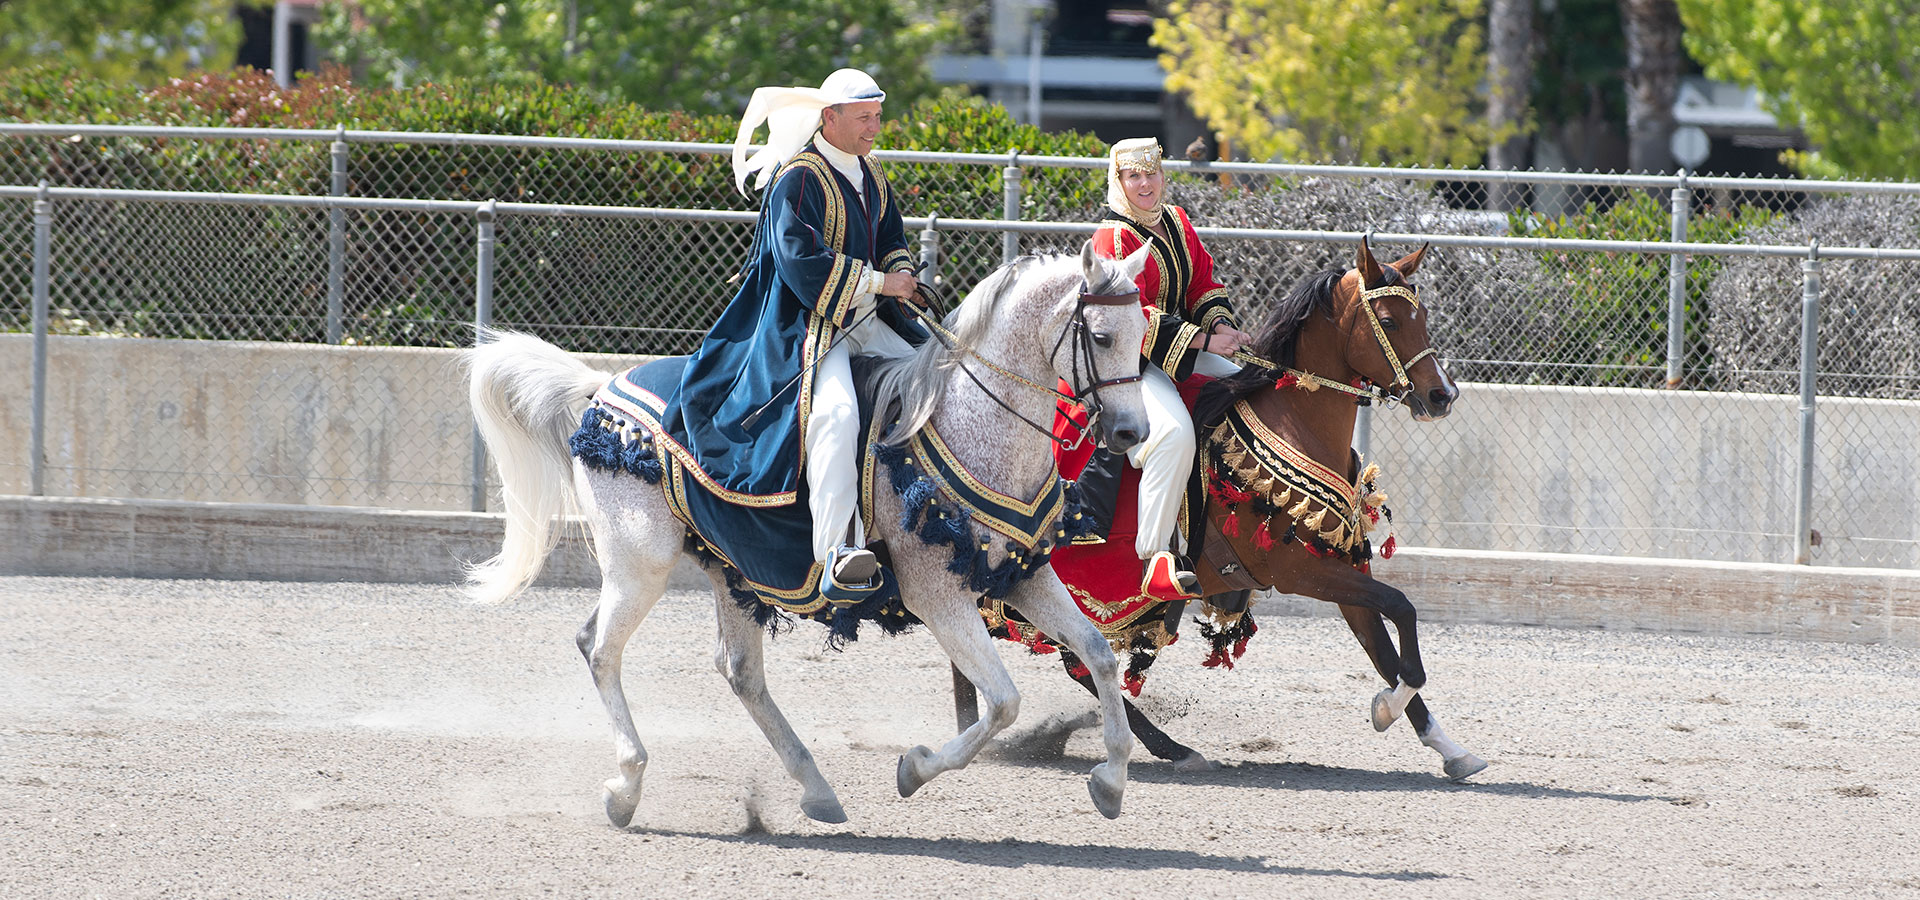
column 1143, row 189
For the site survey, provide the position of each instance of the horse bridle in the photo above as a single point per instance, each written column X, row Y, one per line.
column 1401, row 385
column 1085, row 396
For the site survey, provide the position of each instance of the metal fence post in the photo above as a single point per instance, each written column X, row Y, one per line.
column 42, row 258
column 482, row 318
column 930, row 250
column 1677, row 285
column 1010, row 206
column 1363, row 432
column 337, row 241
column 1809, row 359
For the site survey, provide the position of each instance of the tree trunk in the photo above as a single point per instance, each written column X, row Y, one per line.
column 1509, row 78
column 1653, row 79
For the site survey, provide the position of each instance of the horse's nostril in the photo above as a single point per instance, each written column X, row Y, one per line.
column 1128, row 436
column 1440, row 397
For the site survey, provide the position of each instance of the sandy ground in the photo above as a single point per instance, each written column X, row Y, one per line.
column 233, row 739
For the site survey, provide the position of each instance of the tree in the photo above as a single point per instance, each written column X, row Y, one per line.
column 1364, row 81
column 1845, row 71
column 701, row 56
column 1509, row 79
column 1653, row 81
column 141, row 41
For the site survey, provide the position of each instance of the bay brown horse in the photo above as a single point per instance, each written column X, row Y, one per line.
column 1289, row 506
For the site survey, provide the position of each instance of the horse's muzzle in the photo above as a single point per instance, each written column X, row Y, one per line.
column 1121, row 433
column 1433, row 404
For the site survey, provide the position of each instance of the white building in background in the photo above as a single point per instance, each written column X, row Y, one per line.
column 1084, row 65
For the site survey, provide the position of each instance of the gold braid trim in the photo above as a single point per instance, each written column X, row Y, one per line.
column 1266, row 464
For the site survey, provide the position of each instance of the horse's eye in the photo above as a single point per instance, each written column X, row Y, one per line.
column 1388, row 323
column 1102, row 339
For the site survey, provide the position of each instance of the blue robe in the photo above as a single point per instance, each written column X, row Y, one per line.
column 796, row 292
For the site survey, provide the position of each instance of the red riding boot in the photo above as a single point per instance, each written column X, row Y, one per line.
column 1165, row 580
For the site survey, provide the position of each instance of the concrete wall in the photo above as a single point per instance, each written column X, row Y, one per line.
column 246, row 422
column 1514, row 468
column 1675, row 474
column 163, row 539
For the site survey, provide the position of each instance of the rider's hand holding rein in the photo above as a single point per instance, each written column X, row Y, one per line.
column 900, row 284
column 1225, row 340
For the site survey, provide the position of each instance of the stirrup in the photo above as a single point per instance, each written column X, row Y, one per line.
column 1166, row 581
column 850, row 575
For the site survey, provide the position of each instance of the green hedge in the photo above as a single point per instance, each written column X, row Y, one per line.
column 1612, row 308
column 410, row 276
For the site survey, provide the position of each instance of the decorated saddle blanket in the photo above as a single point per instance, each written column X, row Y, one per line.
column 766, row 552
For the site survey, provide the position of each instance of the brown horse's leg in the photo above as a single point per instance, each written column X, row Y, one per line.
column 1157, row 742
column 1336, row 582
column 1372, row 632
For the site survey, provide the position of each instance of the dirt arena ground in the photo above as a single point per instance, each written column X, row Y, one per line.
column 232, row 739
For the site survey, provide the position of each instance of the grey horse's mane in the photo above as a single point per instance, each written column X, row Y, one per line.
column 918, row 382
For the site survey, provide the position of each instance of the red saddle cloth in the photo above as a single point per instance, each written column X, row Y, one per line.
column 1104, row 578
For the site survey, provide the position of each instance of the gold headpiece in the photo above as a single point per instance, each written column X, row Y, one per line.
column 1137, row 155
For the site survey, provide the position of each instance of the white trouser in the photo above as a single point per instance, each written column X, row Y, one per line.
column 1165, row 458
column 833, row 436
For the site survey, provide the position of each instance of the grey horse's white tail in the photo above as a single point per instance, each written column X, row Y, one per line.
column 527, row 396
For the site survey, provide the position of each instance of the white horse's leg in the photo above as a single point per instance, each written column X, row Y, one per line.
column 960, row 632
column 1455, row 760
column 1047, row 605
column 637, row 551
column 1390, row 704
column 740, row 661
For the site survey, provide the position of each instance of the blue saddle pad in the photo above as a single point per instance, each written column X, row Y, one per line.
column 766, row 551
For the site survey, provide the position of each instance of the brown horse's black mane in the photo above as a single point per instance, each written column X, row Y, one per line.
column 1277, row 340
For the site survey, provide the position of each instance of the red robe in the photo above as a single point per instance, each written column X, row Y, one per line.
column 1177, row 287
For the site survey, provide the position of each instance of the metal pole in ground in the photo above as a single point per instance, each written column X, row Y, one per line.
column 42, row 259
column 482, row 318
column 1809, row 360
column 337, row 241
column 1677, row 285
column 1010, row 206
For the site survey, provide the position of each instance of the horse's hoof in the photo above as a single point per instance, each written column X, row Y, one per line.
column 1460, row 768
column 904, row 776
column 828, row 811
column 620, row 805
column 1194, row 762
column 1384, row 714
column 1105, row 792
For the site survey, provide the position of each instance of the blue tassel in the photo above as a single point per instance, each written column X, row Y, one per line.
column 593, row 444
column 914, row 499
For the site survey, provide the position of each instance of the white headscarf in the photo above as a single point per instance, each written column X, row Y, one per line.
column 1133, row 155
column 792, row 115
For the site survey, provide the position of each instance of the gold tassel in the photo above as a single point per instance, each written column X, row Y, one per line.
column 1377, row 499
column 1309, row 385
column 1314, row 520
column 1372, row 471
column 1300, row 509
column 1336, row 537
column 1282, row 497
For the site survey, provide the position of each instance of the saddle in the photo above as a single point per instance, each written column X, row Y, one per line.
column 766, row 551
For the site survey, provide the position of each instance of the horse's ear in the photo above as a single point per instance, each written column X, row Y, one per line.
column 1410, row 263
column 1368, row 267
column 1089, row 262
column 1136, row 262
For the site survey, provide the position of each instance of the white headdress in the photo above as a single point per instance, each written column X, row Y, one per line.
column 1133, row 155
column 792, row 115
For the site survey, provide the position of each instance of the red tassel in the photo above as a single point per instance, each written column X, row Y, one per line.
column 1285, row 381
column 1134, row 683
column 1386, row 549
column 1230, row 526
column 1358, row 382
column 1262, row 538
column 1079, row 671
column 1217, row 659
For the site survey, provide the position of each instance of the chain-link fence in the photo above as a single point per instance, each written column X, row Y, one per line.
column 1634, row 372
